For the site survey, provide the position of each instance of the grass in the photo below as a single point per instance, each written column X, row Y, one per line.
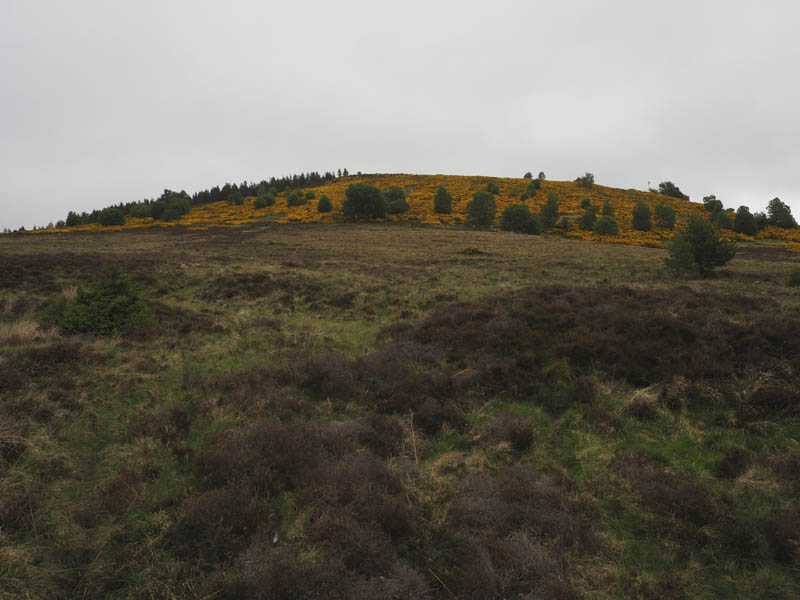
column 386, row 410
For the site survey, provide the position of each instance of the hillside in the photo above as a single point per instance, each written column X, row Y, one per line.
column 396, row 412
column 421, row 189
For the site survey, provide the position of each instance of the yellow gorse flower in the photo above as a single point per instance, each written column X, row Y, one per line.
column 421, row 190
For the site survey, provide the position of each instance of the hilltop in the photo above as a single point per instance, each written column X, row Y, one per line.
column 420, row 191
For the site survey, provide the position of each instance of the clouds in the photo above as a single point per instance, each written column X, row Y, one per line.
column 106, row 102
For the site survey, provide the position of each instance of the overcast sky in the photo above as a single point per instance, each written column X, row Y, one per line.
column 104, row 101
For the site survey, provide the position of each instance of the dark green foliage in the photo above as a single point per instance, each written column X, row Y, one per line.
column 606, row 225
column 363, row 201
column 141, row 211
column 664, row 216
column 235, row 197
column 608, row 210
column 549, row 213
column 111, row 216
column 585, row 203
column 722, row 220
column 395, row 199
column 264, row 199
column 713, row 206
column 670, row 189
column 563, row 223
column 493, row 188
column 586, row 180
column 745, row 222
column 481, row 210
column 296, row 198
column 541, row 176
column 310, row 195
column 589, row 218
column 520, row 219
column 530, row 190
column 641, row 217
column 528, row 175
column 73, row 219
column 699, row 249
column 794, row 279
column 761, row 220
column 324, row 205
column 110, row 306
column 443, row 202
column 779, row 214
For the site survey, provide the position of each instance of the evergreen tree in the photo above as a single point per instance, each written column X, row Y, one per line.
column 549, row 213
column 641, row 217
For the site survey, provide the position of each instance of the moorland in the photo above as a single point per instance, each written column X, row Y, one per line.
column 397, row 410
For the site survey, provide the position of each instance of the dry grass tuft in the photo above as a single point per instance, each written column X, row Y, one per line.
column 23, row 332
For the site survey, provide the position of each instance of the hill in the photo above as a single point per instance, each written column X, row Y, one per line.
column 420, row 191
column 395, row 411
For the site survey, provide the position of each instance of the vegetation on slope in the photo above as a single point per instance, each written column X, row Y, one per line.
column 420, row 193
column 399, row 412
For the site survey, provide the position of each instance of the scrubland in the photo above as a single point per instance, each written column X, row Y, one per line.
column 398, row 411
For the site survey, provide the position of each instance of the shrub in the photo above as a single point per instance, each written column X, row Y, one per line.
column 586, row 180
column 493, row 188
column 585, row 203
column 528, row 175
column 667, row 188
column 608, row 210
column 112, row 305
column 296, row 198
column 481, row 210
column 713, row 206
column 606, row 225
column 664, row 216
column 141, row 211
column 519, row 218
column 589, row 217
column 324, row 205
column 310, row 195
column 111, row 216
column 395, row 199
column 263, row 200
column 641, row 217
column 235, row 197
column 699, row 249
column 443, row 202
column 722, row 220
column 780, row 215
column 794, row 279
column 744, row 222
column 549, row 212
column 363, row 201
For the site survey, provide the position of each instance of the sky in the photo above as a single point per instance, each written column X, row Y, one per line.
column 105, row 101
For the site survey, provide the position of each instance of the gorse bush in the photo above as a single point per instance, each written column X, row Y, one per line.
column 110, row 306
column 520, row 219
column 699, row 249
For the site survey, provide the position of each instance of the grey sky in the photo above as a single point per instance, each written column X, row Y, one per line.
column 107, row 101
